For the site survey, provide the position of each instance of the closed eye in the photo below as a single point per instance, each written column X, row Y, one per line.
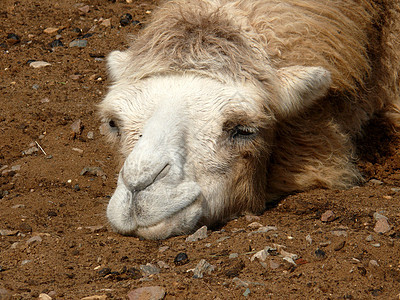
column 243, row 132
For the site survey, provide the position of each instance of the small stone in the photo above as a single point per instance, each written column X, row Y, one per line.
column 340, row 246
column 12, row 39
column 261, row 255
column 221, row 239
column 25, row 261
column 378, row 216
column 373, row 263
column 376, row 245
column 255, row 225
column 382, row 226
column 126, row 19
column 16, row 168
column 309, row 239
column 369, row 238
column 50, row 30
column 85, row 9
column 45, row 100
column 34, row 239
column 77, row 127
column 328, row 216
column 106, row 23
column 39, row 64
column 320, row 254
column 44, row 297
column 78, row 43
column 202, row 267
column 163, row 248
column 75, row 76
column 376, row 182
column 80, row 151
column 246, row 292
column 147, row 293
column 133, row 273
column 52, row 213
column 233, row 255
column 95, row 171
column 90, row 135
column 163, row 265
column 339, row 233
column 95, row 297
column 104, row 271
column 200, row 234
column 263, row 229
column 16, row 206
column 149, row 269
column 56, row 43
column 35, row 86
column 7, row 232
column 181, row 259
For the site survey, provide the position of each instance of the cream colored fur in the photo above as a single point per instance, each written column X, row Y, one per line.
column 220, row 106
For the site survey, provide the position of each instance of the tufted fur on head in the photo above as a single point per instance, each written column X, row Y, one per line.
column 305, row 77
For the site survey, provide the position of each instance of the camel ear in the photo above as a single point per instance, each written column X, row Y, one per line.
column 117, row 62
column 299, row 87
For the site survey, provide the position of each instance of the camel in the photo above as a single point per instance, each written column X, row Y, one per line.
column 218, row 107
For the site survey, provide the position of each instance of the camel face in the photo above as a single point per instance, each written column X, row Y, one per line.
column 195, row 148
column 181, row 138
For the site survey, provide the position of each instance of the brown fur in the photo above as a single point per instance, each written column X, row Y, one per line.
column 357, row 41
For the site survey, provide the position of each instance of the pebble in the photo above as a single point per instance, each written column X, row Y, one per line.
column 378, row 216
column 16, row 206
column 200, row 234
column 309, row 239
column 369, row 238
column 50, row 30
column 78, row 43
column 25, row 261
column 85, row 9
column 56, row 43
column 339, row 233
column 96, row 229
column 382, row 226
column 255, row 225
column 45, row 100
column 149, row 269
column 96, row 171
column 80, row 151
column 90, row 135
column 246, row 292
column 373, row 263
column 106, row 23
column 328, row 216
column 262, row 254
column 233, row 255
column 163, row 265
column 340, row 246
column 147, row 293
column 222, row 239
column 39, row 64
column 34, row 239
column 12, row 38
column 7, row 232
column 181, row 259
column 320, row 254
column 44, row 297
column 77, row 127
column 95, row 297
column 163, row 248
column 202, row 267
column 35, row 86
column 126, row 19
column 376, row 182
column 377, row 245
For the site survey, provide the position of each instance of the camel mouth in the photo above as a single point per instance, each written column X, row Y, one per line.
column 133, row 213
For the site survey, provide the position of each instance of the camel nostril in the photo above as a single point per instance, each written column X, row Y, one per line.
column 163, row 172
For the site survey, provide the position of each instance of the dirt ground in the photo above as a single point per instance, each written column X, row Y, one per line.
column 54, row 234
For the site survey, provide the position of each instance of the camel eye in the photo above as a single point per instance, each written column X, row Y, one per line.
column 243, row 132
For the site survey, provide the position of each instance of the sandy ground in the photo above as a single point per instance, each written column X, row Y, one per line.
column 54, row 235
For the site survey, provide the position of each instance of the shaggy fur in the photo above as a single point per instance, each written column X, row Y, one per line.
column 357, row 41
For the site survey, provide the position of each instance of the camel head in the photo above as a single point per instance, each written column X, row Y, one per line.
column 195, row 148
